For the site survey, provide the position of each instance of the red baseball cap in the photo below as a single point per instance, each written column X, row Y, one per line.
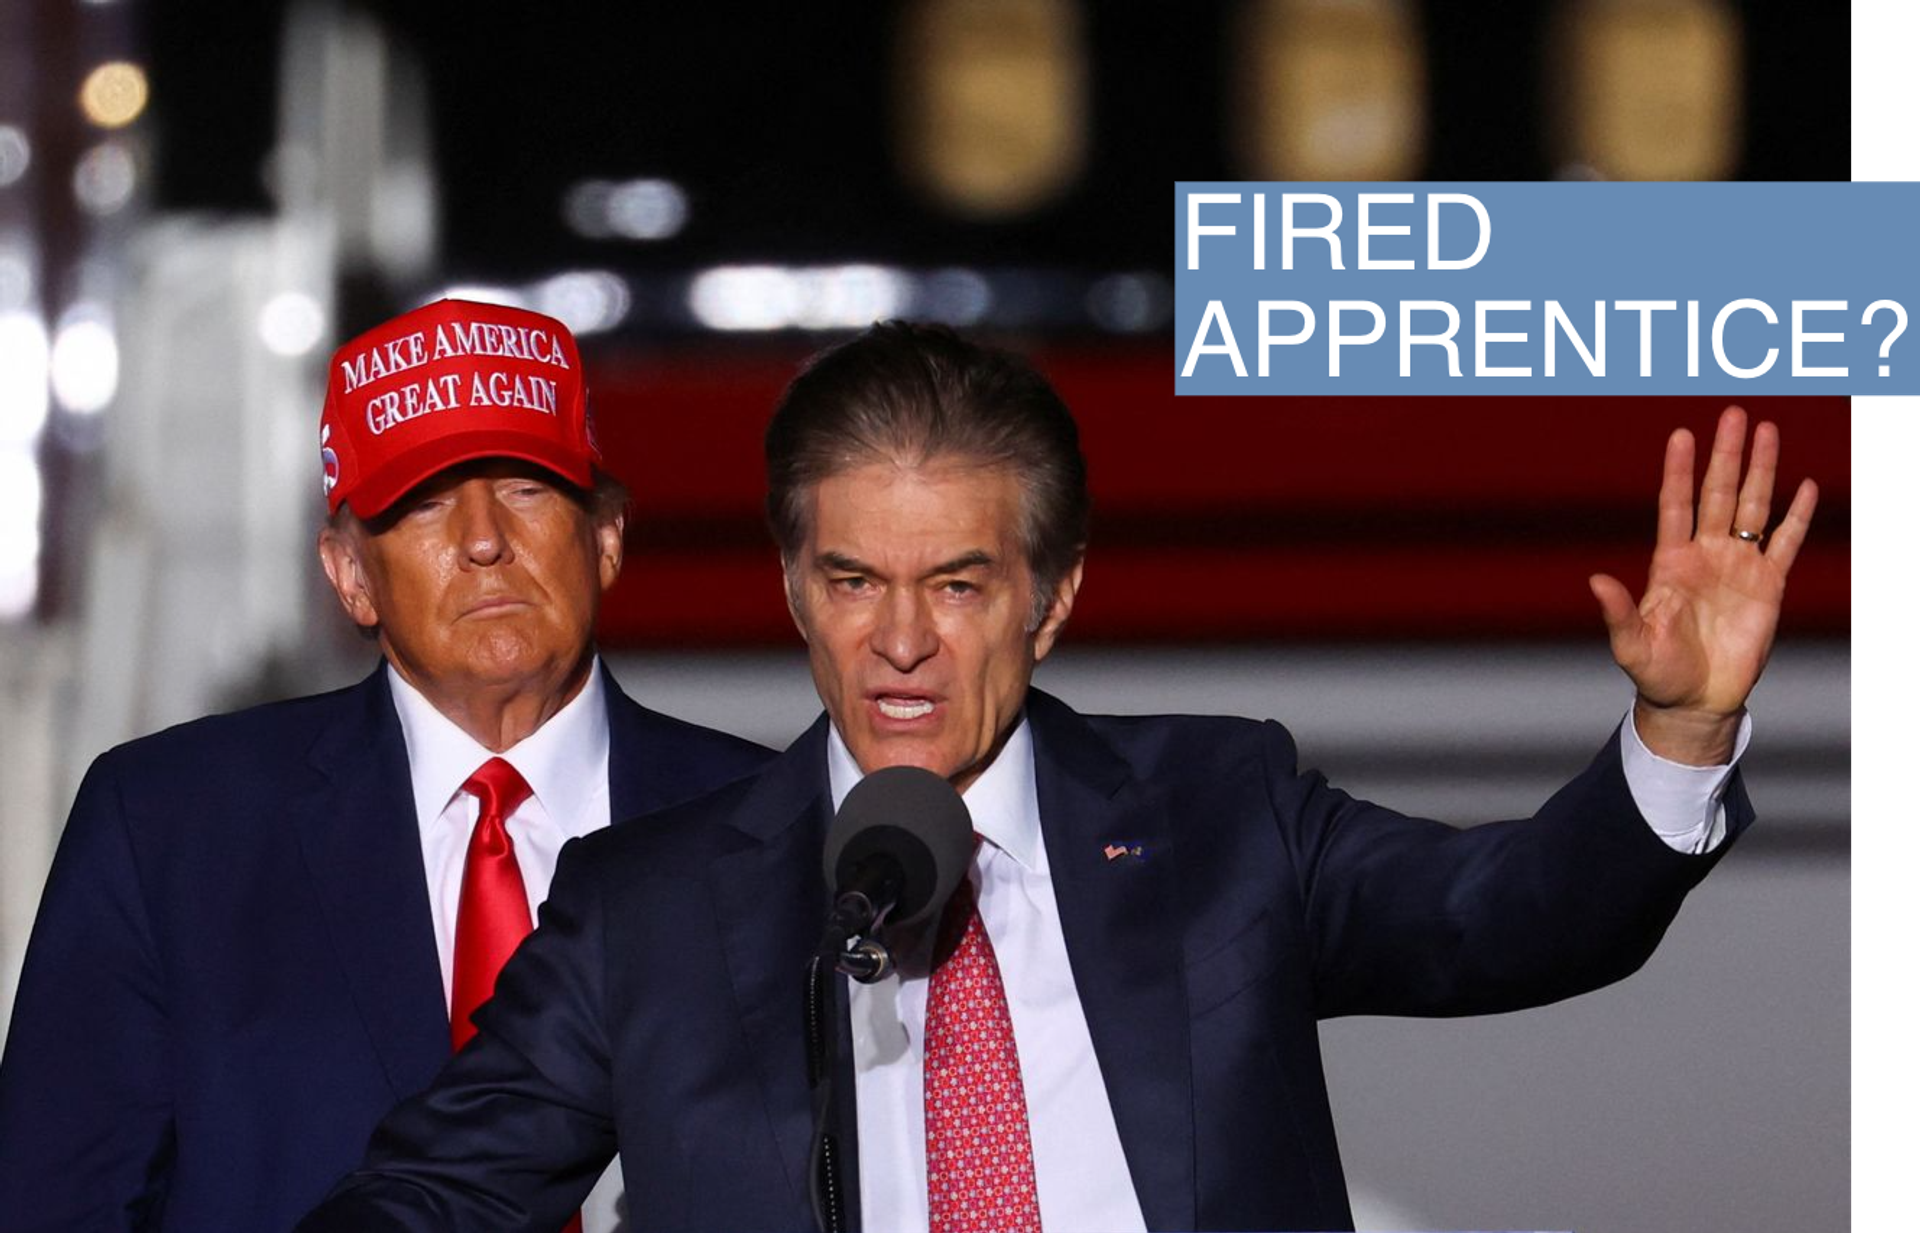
column 446, row 384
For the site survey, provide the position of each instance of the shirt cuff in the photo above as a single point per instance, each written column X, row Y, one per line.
column 1683, row 804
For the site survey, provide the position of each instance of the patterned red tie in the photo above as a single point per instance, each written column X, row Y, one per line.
column 493, row 900
column 979, row 1152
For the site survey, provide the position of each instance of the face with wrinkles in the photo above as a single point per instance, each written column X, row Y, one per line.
column 487, row 576
column 915, row 598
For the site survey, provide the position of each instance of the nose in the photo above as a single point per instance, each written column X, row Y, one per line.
column 480, row 526
column 904, row 634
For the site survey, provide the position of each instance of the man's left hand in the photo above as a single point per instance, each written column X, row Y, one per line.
column 1696, row 642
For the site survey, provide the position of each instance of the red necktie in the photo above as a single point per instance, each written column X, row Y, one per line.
column 979, row 1152
column 493, row 900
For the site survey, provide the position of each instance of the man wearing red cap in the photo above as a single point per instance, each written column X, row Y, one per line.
column 263, row 929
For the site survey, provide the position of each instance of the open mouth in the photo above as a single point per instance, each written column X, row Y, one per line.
column 904, row 708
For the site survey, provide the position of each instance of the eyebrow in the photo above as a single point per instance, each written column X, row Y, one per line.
column 976, row 559
column 841, row 562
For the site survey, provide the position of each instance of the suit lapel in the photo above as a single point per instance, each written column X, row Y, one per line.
column 1119, row 916
column 770, row 900
column 634, row 783
column 361, row 843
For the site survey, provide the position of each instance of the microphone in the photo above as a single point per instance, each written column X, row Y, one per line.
column 896, row 850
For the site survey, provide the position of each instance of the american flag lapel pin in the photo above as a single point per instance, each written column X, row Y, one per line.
column 1125, row 851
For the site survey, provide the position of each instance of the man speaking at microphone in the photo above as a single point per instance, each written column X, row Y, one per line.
column 1114, row 1027
column 256, row 923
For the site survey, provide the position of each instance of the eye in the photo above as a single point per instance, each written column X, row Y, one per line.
column 959, row 587
column 852, row 584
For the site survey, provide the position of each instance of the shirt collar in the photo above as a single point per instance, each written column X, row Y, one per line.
column 564, row 760
column 1004, row 801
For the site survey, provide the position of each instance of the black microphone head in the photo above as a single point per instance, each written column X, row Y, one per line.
column 913, row 816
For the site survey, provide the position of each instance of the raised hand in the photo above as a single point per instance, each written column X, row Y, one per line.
column 1696, row 642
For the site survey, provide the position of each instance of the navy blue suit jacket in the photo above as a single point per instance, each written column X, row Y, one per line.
column 657, row 1006
column 233, row 972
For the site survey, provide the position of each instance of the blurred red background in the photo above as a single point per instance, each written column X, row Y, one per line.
column 1228, row 519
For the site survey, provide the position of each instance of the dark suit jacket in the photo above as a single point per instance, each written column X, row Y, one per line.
column 233, row 973
column 657, row 1006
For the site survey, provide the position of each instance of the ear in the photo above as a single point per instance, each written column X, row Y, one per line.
column 340, row 558
column 610, row 538
column 1064, row 593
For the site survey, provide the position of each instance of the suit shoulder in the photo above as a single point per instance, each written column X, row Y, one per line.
column 1176, row 726
column 735, row 753
column 257, row 734
column 178, row 793
column 1184, row 745
column 659, row 761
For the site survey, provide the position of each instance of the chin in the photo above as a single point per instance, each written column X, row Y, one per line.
column 884, row 753
column 504, row 656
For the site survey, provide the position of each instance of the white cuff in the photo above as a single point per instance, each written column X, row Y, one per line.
column 1681, row 803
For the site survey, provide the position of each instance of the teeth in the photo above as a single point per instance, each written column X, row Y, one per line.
column 905, row 710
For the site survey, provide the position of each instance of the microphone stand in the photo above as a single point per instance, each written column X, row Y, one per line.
column 846, row 946
column 823, row 1050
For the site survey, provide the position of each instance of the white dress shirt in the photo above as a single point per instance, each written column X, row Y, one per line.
column 1079, row 1168
column 564, row 761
